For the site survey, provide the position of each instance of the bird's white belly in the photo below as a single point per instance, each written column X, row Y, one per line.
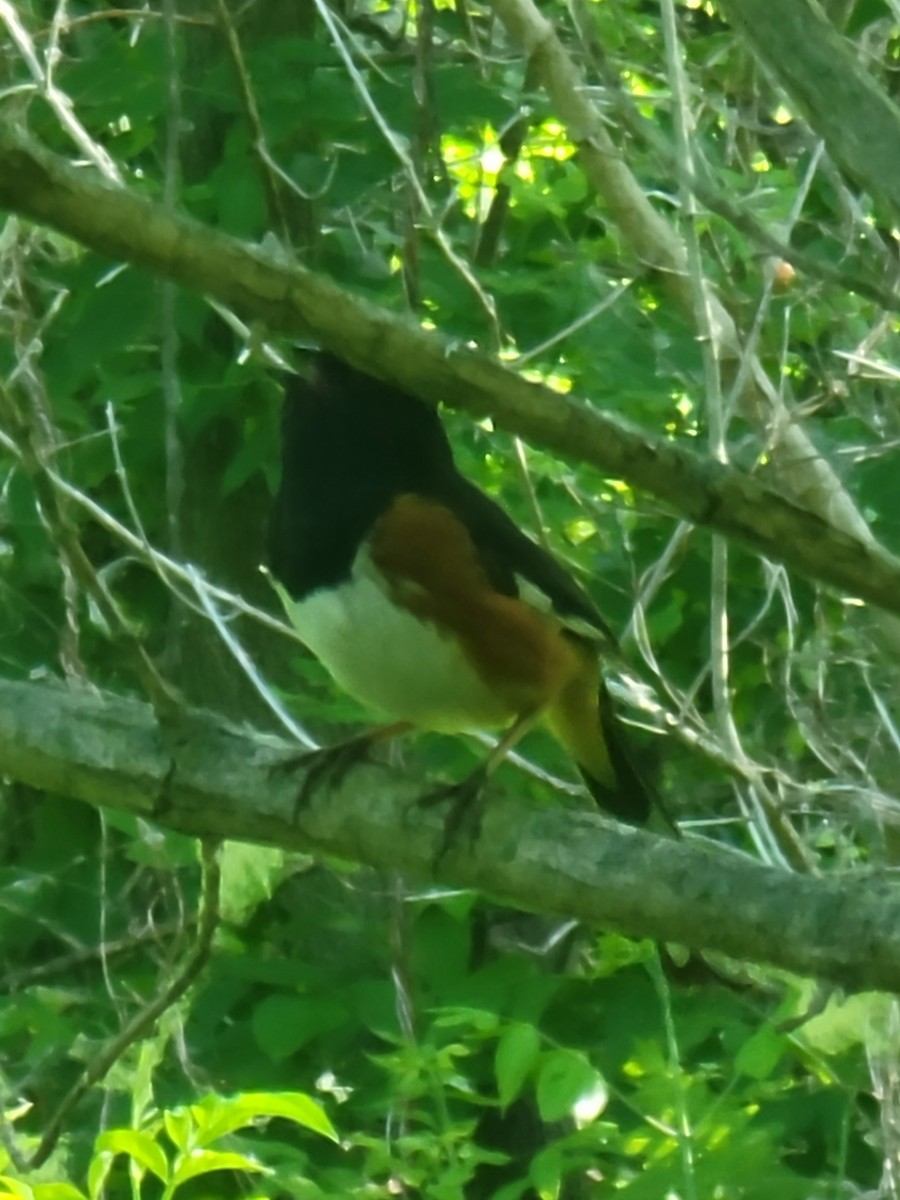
column 389, row 659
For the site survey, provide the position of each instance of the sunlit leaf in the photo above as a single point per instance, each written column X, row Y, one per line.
column 217, row 1116
column 203, row 1162
column 564, row 1077
column 179, row 1127
column 144, row 1149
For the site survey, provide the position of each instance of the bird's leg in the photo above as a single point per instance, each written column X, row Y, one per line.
column 329, row 764
column 465, row 797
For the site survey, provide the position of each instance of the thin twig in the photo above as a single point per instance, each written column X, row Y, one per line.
column 65, row 964
column 512, row 139
column 270, row 180
column 59, row 102
column 443, row 243
column 144, row 1021
column 706, row 190
column 774, row 836
column 64, row 534
column 200, row 598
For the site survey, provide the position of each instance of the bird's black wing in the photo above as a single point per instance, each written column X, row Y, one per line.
column 518, row 566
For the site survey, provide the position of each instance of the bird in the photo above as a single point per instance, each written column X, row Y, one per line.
column 422, row 598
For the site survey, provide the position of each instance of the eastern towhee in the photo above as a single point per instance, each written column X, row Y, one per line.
column 421, row 596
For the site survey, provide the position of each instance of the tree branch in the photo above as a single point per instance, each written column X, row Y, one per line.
column 821, row 73
column 657, row 243
column 118, row 223
column 210, row 781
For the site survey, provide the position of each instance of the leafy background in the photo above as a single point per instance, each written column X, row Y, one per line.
column 457, row 1049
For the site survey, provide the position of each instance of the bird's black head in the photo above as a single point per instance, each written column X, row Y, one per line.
column 342, row 413
column 350, row 444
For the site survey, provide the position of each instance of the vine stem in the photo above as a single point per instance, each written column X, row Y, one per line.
column 147, row 1017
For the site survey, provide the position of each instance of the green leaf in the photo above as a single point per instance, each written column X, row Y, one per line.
column 760, row 1054
column 564, row 1078
column 517, row 1053
column 203, row 1162
column 179, row 1127
column 217, row 1116
column 97, row 1172
column 140, row 1087
column 249, row 874
column 282, row 1024
column 57, row 1191
column 864, row 1018
column 16, row 1190
column 546, row 1170
column 137, row 1145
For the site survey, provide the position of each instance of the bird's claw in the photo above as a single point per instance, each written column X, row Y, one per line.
column 327, row 765
column 466, row 810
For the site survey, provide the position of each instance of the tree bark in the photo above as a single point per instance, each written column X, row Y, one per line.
column 202, row 778
column 120, row 224
column 819, row 70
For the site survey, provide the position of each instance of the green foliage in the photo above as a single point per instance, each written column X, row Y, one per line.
column 456, row 1050
column 498, row 1070
column 178, row 1146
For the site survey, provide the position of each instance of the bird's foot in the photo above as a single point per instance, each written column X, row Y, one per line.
column 327, row 765
column 466, row 810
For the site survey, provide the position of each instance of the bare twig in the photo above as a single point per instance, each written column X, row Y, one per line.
column 144, row 1020
column 64, row 964
column 705, row 189
column 169, row 338
column 271, row 181
column 512, row 139
column 57, row 99
column 657, row 245
column 66, row 538
column 443, row 243
column 775, row 837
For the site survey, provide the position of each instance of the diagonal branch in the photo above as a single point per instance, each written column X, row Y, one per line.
column 122, row 225
column 657, row 244
column 819, row 70
column 217, row 782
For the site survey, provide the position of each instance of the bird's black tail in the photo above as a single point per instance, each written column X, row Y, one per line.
column 584, row 721
column 625, row 795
